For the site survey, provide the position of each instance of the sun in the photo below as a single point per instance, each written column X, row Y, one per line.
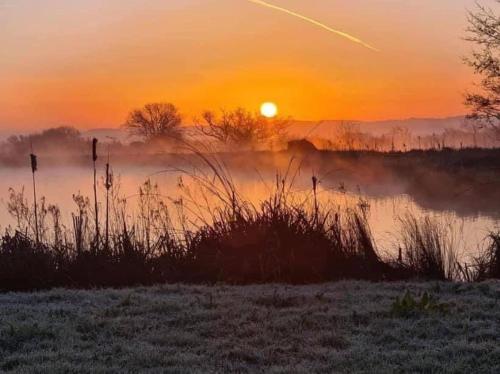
column 269, row 110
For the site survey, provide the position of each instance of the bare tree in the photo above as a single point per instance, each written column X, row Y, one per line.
column 242, row 128
column 484, row 32
column 156, row 121
column 347, row 135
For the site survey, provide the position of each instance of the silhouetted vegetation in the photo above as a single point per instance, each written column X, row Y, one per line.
column 280, row 240
column 406, row 136
column 240, row 128
column 484, row 32
column 427, row 249
column 156, row 132
column 487, row 264
column 60, row 140
column 159, row 122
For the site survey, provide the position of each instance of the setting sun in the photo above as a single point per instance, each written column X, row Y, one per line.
column 269, row 110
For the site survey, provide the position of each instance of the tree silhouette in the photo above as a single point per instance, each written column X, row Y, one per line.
column 484, row 32
column 240, row 127
column 156, row 121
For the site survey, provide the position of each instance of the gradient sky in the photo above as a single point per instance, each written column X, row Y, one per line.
column 88, row 62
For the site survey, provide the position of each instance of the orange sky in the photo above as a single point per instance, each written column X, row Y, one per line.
column 88, row 62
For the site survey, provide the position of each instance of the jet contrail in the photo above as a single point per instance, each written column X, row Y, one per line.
column 314, row 22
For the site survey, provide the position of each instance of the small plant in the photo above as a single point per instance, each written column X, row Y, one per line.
column 409, row 306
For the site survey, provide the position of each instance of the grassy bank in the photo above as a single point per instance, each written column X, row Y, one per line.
column 335, row 327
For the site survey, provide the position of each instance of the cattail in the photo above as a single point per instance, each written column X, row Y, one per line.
column 315, row 192
column 34, row 168
column 34, row 163
column 109, row 177
column 94, row 159
column 94, row 149
column 108, row 184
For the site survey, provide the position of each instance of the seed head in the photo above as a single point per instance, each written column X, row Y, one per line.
column 94, row 149
column 34, row 164
column 109, row 177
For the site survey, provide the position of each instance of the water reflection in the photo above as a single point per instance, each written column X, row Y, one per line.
column 383, row 211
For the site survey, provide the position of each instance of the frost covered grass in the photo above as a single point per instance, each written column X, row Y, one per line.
column 335, row 327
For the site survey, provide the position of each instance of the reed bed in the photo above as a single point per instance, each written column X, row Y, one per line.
column 282, row 239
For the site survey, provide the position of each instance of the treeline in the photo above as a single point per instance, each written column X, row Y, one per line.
column 155, row 128
column 159, row 128
column 348, row 136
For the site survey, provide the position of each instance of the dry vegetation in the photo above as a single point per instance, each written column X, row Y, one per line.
column 342, row 327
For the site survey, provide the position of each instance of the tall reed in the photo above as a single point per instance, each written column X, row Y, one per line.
column 96, row 206
column 108, row 183
column 34, row 168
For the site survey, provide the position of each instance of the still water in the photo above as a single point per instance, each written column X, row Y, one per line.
column 59, row 184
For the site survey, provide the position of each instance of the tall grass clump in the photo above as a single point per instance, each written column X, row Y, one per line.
column 282, row 243
column 428, row 250
column 487, row 264
column 279, row 240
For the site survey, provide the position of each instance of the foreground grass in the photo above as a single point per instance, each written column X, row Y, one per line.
column 335, row 327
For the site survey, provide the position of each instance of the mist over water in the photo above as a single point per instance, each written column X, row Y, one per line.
column 384, row 205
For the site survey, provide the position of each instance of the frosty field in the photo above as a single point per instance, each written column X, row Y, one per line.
column 336, row 327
